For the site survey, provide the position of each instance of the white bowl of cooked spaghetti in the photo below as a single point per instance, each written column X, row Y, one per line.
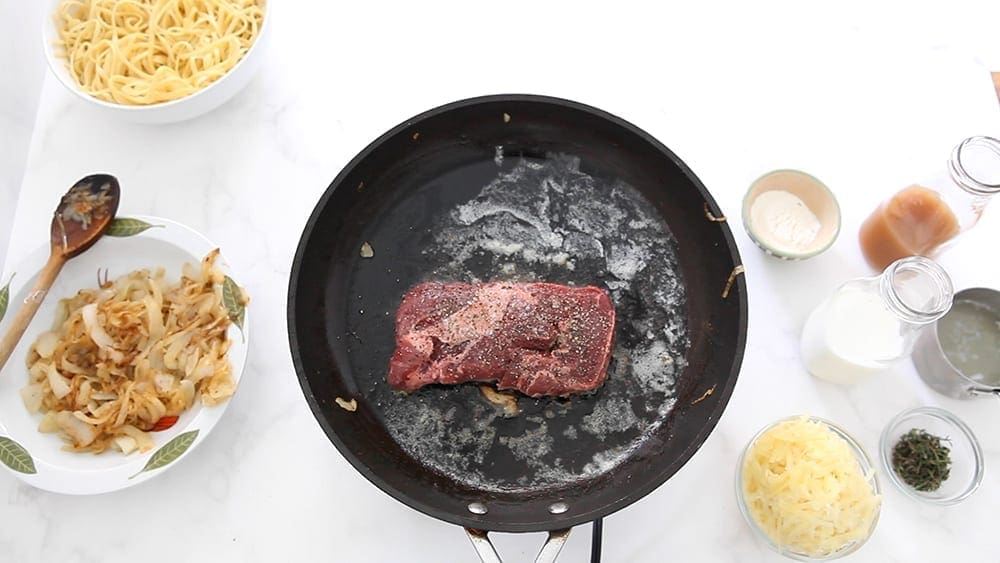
column 155, row 61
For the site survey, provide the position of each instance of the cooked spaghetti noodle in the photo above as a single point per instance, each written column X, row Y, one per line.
column 142, row 52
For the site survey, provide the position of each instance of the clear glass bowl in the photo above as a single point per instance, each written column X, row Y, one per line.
column 865, row 464
column 966, row 455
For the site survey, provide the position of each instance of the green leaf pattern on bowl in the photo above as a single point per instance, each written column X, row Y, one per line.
column 5, row 297
column 126, row 227
column 14, row 456
column 232, row 297
column 170, row 452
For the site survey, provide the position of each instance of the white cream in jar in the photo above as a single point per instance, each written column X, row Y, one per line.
column 870, row 323
column 850, row 336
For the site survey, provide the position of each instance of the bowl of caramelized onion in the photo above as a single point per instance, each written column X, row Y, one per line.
column 155, row 61
column 129, row 363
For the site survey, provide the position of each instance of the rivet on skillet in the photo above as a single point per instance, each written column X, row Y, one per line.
column 477, row 508
column 558, row 508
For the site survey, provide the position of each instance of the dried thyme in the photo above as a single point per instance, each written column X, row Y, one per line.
column 922, row 460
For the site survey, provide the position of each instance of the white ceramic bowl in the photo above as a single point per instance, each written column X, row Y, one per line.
column 38, row 459
column 813, row 193
column 190, row 106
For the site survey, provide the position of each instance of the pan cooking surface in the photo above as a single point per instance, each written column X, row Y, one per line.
column 536, row 219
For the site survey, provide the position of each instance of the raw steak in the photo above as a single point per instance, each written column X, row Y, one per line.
column 538, row 338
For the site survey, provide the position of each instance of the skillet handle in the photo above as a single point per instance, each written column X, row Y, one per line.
column 975, row 391
column 488, row 554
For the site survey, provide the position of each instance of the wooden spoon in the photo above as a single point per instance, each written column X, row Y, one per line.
column 83, row 215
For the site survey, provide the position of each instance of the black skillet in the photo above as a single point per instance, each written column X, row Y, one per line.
column 341, row 308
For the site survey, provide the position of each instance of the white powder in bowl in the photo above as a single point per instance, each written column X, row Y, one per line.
column 783, row 221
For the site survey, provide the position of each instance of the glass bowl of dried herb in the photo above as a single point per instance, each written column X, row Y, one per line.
column 932, row 456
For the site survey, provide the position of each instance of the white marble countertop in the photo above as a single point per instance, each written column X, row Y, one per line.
column 733, row 92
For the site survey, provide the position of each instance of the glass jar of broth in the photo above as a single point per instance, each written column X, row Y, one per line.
column 921, row 219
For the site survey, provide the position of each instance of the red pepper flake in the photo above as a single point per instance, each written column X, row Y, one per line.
column 164, row 423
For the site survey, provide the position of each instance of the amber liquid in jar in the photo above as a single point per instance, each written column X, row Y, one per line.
column 915, row 221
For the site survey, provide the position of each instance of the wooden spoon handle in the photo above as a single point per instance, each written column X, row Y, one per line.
column 30, row 306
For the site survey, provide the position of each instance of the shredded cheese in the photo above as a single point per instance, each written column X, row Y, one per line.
column 805, row 489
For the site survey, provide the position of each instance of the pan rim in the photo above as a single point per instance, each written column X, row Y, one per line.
column 554, row 522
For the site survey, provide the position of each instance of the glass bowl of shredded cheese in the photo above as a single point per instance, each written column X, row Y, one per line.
column 808, row 489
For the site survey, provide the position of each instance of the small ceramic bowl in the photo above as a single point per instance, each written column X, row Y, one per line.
column 819, row 200
column 966, row 456
column 192, row 105
column 864, row 464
